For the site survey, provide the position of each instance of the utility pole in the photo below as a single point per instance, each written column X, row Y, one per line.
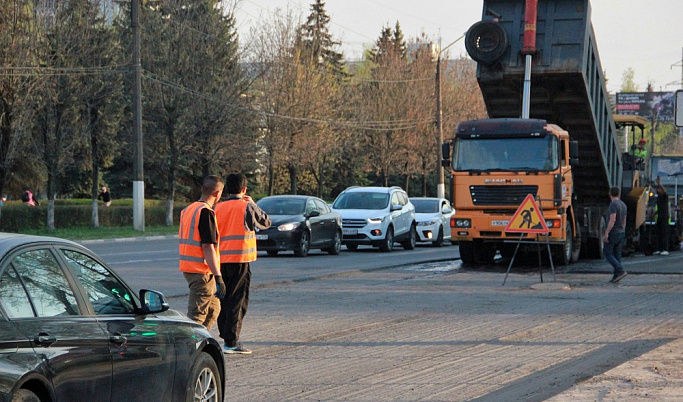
column 440, row 187
column 138, row 168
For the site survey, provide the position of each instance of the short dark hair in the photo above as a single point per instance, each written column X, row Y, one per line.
column 211, row 184
column 235, row 182
column 614, row 191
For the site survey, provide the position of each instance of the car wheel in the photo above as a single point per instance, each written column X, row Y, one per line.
column 304, row 245
column 439, row 238
column 352, row 247
column 24, row 395
column 204, row 383
column 388, row 242
column 272, row 252
column 409, row 244
column 336, row 244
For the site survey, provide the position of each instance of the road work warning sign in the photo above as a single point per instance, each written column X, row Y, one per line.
column 527, row 219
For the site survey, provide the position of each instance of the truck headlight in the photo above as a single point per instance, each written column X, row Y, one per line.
column 461, row 223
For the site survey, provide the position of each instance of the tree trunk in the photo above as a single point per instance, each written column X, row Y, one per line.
column 50, row 224
column 271, row 178
column 169, row 212
column 407, row 183
column 95, row 167
column 292, row 179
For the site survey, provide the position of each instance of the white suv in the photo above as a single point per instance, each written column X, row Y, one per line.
column 378, row 216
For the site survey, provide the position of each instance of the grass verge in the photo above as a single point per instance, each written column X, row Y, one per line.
column 104, row 232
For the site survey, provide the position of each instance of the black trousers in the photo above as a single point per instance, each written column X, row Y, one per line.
column 237, row 278
column 663, row 234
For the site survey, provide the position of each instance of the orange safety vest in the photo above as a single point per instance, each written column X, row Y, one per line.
column 237, row 244
column 191, row 252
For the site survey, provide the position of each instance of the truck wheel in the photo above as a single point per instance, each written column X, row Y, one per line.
column 485, row 253
column 595, row 245
column 562, row 255
column 467, row 252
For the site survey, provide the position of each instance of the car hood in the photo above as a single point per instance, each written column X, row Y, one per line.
column 426, row 217
column 361, row 213
column 277, row 220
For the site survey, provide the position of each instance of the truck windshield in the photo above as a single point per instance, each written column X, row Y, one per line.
column 506, row 154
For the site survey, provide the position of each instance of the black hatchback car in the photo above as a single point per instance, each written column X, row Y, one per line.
column 72, row 330
column 299, row 223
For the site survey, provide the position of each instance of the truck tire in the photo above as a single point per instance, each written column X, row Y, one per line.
column 562, row 255
column 467, row 252
column 485, row 253
column 486, row 42
column 595, row 246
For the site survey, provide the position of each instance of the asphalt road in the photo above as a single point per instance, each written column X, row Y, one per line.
column 416, row 325
column 153, row 264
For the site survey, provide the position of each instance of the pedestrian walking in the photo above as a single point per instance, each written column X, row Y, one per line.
column 662, row 223
column 199, row 259
column 615, row 234
column 105, row 195
column 238, row 217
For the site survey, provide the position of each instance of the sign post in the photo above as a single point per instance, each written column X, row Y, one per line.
column 529, row 219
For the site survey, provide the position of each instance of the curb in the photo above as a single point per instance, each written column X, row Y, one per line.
column 127, row 239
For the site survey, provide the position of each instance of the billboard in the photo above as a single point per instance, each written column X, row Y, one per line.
column 647, row 104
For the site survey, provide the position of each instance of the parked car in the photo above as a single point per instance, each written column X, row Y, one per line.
column 299, row 223
column 378, row 216
column 433, row 216
column 72, row 330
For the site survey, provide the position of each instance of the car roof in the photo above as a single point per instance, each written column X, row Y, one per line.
column 426, row 198
column 9, row 241
column 291, row 196
column 371, row 189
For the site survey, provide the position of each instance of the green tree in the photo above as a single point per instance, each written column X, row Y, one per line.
column 628, row 83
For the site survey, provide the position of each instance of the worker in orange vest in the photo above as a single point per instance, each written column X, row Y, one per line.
column 199, row 259
column 238, row 217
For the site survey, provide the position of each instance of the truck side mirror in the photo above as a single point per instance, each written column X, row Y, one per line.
column 446, row 154
column 574, row 153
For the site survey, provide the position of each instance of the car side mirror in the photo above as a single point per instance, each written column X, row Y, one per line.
column 313, row 214
column 396, row 207
column 153, row 301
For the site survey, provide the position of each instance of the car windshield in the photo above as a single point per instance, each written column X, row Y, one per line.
column 361, row 200
column 425, row 206
column 282, row 206
column 507, row 154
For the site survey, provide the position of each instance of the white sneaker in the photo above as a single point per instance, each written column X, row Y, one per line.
column 656, row 252
column 664, row 252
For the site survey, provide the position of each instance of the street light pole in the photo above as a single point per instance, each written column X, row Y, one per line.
column 138, row 169
column 440, row 187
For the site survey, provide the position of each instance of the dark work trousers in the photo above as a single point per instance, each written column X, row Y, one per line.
column 663, row 234
column 237, row 278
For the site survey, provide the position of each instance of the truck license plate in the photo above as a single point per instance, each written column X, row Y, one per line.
column 499, row 223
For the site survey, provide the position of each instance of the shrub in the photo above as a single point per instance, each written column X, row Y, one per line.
column 16, row 217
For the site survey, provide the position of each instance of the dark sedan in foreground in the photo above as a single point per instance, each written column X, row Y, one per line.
column 299, row 223
column 72, row 330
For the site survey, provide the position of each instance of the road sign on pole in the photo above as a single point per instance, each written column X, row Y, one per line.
column 528, row 218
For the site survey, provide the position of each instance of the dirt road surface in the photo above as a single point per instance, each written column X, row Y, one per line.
column 441, row 333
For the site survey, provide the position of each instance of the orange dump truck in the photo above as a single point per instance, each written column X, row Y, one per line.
column 564, row 152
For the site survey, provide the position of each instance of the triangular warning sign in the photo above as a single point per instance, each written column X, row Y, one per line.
column 527, row 219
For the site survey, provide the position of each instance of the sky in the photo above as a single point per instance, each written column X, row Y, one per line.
column 644, row 35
